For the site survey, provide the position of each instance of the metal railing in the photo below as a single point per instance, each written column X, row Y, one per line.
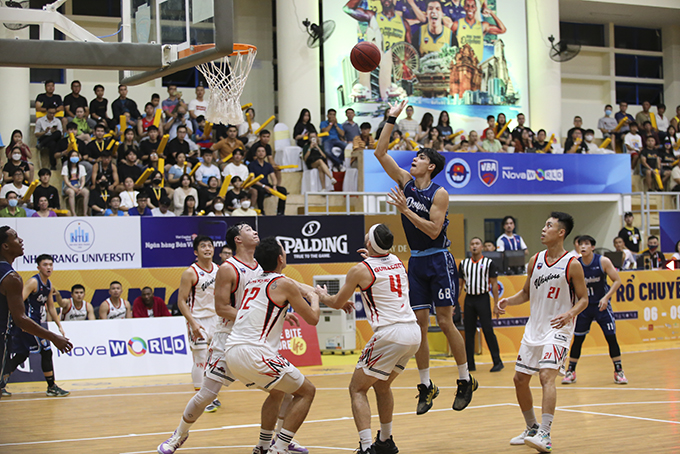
column 371, row 203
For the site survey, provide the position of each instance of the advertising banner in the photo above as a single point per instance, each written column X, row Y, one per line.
column 316, row 239
column 81, row 243
column 502, row 173
column 168, row 242
column 468, row 58
column 300, row 345
column 669, row 222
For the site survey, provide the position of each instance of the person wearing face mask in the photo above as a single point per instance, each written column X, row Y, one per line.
column 155, row 191
column 15, row 162
column 590, row 146
column 218, row 207
column 100, row 196
column 244, row 208
column 651, row 258
column 74, row 175
column 12, row 210
column 105, row 167
column 608, row 123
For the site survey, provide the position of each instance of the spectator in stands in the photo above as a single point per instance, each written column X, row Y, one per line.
column 671, row 134
column 505, row 138
column 218, row 207
column 382, row 124
column 435, row 140
column 473, row 144
column 206, row 194
column 644, row 114
column 115, row 307
column 630, row 234
column 264, row 139
column 207, row 169
column 401, row 143
column 148, row 148
column 128, row 196
column 650, row 160
column 98, row 145
column 246, row 130
column 651, row 258
column 17, row 140
column 591, row 147
column 578, row 122
column 236, row 167
column 628, row 257
column 540, row 142
column 43, row 209
column 173, row 101
column 73, row 100
column 361, row 142
column 12, row 210
column 667, row 158
column 44, row 189
column 64, row 146
column 13, row 163
column 148, row 305
column 113, row 209
column 100, row 195
column 200, row 137
column 76, row 308
column 229, row 144
column 181, row 143
column 662, row 122
column 490, row 125
column 99, row 107
column 244, row 208
column 607, row 124
column 445, row 129
column 676, row 254
column 233, row 198
column 509, row 240
column 147, row 121
column 303, row 127
column 129, row 144
column 142, row 208
column 620, row 115
column 74, row 175
column 17, row 186
column 524, row 143
column 350, row 127
column 575, row 143
column 48, row 130
column 408, row 124
column 225, row 254
column 648, row 130
column 190, row 208
column 107, row 168
column 521, row 126
column 675, row 121
column 163, row 208
column 128, row 168
column 675, row 178
column 489, row 246
column 83, row 131
column 154, row 190
column 198, row 107
column 491, row 144
column 177, row 170
column 265, row 186
column 185, row 189
column 426, row 123
column 315, row 158
column 179, row 118
column 48, row 99
column 633, row 144
column 334, row 139
column 124, row 105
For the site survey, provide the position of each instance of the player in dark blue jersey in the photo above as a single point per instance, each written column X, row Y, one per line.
column 596, row 268
column 432, row 272
column 11, row 300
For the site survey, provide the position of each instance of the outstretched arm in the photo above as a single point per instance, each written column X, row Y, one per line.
column 431, row 227
column 399, row 175
column 360, row 14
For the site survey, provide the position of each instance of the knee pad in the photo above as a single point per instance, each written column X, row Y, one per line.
column 46, row 360
column 614, row 349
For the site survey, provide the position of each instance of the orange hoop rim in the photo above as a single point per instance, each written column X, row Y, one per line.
column 239, row 49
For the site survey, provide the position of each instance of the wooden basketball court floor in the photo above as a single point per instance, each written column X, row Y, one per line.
column 135, row 415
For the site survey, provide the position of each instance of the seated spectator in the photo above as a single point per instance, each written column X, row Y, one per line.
column 589, row 137
column 521, row 126
column 128, row 168
column 218, row 207
column 180, row 145
column 671, row 134
column 662, row 122
column 408, row 124
column 155, row 191
column 12, row 210
column 76, row 308
column 434, row 140
column 334, row 139
column 651, row 258
column 524, row 143
column 207, row 169
column 182, row 192
column 97, row 145
column 246, row 130
column 163, row 208
column 607, row 124
column 156, row 101
column 48, row 130
column 644, row 114
column 667, row 158
column 675, row 121
column 489, row 246
column 426, row 124
column 44, row 189
column 200, row 137
column 351, row 128
column 43, row 209
column 189, row 206
column 128, row 196
column 628, row 257
column 490, row 144
column 100, row 195
column 61, row 152
column 402, row 144
column 113, row 209
column 99, row 107
column 26, row 154
column 13, row 163
column 575, row 143
column 115, row 307
column 633, row 144
column 173, row 101
column 142, row 208
column 244, row 208
column 74, row 175
column 264, row 139
column 303, row 127
column 177, row 170
column 17, row 186
column 540, row 143
column 148, row 305
column 124, row 105
column 147, row 121
column 198, row 107
column 361, row 142
column 578, row 122
column 149, row 146
column 473, row 144
column 490, row 126
column 445, row 129
column 620, row 115
column 105, row 167
column 83, row 132
column 233, row 197
column 129, row 144
column 382, row 124
column 74, row 100
column 178, row 119
column 45, row 101
column 505, row 138
column 315, row 158
column 648, row 130
column 650, row 158
column 264, row 187
column 236, row 167
column 207, row 194
column 675, row 178
column 226, row 146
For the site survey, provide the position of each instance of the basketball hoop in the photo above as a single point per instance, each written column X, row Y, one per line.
column 226, row 78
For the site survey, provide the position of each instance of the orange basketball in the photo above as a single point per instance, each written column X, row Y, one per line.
column 365, row 57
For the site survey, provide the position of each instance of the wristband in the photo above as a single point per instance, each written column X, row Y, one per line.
column 391, row 120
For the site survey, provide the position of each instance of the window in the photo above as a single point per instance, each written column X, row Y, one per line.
column 187, row 78
column 101, row 8
column 639, row 66
column 637, row 38
column 493, row 228
column 40, row 75
column 633, row 93
column 584, row 34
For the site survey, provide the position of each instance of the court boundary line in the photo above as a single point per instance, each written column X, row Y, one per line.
column 238, row 447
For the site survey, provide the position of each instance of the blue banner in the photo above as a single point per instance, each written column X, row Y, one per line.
column 669, row 223
column 502, row 173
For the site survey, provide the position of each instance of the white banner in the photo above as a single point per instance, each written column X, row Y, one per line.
column 124, row 348
column 81, row 243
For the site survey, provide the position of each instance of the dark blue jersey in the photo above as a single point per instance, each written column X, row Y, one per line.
column 596, row 279
column 420, row 201
column 5, row 270
column 36, row 301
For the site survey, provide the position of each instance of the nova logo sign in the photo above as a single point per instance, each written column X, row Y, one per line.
column 136, row 346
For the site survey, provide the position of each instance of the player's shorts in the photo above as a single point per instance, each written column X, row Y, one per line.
column 261, row 368
column 23, row 342
column 433, row 279
column 216, row 366
column 389, row 350
column 592, row 313
column 209, row 325
column 531, row 360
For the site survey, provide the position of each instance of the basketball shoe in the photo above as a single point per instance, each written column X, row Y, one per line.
column 259, row 450
column 619, row 378
column 173, row 443
column 369, row 450
column 569, row 378
column 384, row 447
column 426, row 394
column 540, row 442
column 528, row 432
column 55, row 391
column 212, row 406
column 5, row 393
column 275, row 450
column 464, row 393
column 293, row 447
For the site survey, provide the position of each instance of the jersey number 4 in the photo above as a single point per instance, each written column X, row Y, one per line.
column 253, row 294
column 395, row 284
column 554, row 292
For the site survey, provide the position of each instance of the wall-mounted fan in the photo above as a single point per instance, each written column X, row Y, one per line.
column 318, row 34
column 14, row 4
column 561, row 51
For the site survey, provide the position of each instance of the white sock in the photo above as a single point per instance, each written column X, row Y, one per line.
column 385, row 431
column 365, row 438
column 184, row 426
column 546, row 422
column 463, row 373
column 265, row 438
column 279, row 425
column 283, row 440
column 424, row 376
column 530, row 417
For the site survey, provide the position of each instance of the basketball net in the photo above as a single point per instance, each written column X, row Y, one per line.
column 226, row 79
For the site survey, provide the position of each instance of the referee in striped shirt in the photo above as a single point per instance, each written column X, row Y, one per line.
column 478, row 273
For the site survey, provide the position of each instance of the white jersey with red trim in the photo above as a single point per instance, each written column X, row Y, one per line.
column 259, row 321
column 73, row 313
column 244, row 274
column 202, row 296
column 115, row 313
column 550, row 294
column 387, row 300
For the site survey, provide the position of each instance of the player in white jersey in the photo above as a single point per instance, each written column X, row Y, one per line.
column 384, row 288
column 76, row 308
column 115, row 307
column 556, row 289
